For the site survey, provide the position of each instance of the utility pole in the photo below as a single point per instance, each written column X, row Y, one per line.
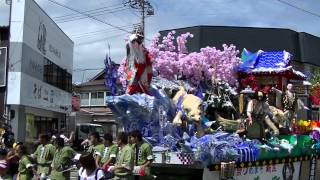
column 144, row 7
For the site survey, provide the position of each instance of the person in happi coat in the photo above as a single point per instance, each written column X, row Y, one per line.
column 62, row 160
column 110, row 152
column 44, row 156
column 96, row 147
column 125, row 159
column 143, row 154
column 25, row 169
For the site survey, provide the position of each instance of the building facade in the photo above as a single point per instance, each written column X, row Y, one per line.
column 93, row 107
column 40, row 72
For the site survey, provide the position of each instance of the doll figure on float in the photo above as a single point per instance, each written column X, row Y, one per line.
column 289, row 103
column 138, row 65
column 259, row 113
column 289, row 100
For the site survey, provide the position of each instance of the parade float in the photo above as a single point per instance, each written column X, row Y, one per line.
column 193, row 108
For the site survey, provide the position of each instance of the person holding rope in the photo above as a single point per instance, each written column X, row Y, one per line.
column 26, row 168
column 143, row 155
column 44, row 156
column 110, row 152
column 62, row 160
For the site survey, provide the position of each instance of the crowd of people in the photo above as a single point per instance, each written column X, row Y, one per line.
column 129, row 157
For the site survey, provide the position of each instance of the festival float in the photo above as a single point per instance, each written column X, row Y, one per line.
column 227, row 116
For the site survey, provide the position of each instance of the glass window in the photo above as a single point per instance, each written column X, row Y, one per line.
column 84, row 99
column 97, row 99
column 56, row 76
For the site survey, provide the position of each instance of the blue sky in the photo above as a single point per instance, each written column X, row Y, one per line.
column 91, row 37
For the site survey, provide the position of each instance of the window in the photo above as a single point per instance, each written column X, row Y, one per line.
column 84, row 99
column 56, row 76
column 97, row 99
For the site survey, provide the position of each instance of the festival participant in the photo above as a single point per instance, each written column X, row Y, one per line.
column 125, row 159
column 62, row 160
column 89, row 169
column 257, row 112
column 143, row 154
column 44, row 155
column 25, row 166
column 110, row 151
column 96, row 147
column 13, row 160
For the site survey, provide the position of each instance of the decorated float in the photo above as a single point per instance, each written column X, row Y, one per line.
column 214, row 111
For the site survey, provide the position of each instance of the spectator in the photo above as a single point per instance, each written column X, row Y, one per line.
column 44, row 155
column 89, row 170
column 4, row 165
column 8, row 137
column 13, row 160
column 124, row 163
column 62, row 160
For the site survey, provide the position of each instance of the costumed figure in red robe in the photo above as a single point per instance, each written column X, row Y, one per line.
column 138, row 65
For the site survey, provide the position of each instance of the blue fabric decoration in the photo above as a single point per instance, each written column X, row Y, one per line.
column 143, row 112
column 111, row 75
column 247, row 152
column 217, row 147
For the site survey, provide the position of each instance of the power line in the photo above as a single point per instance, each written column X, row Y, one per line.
column 91, row 42
column 89, row 35
column 99, row 31
column 89, row 11
column 299, row 8
column 88, row 15
column 79, row 17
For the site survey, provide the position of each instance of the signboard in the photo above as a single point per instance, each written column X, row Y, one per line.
column 3, row 66
column 287, row 171
column 29, row 91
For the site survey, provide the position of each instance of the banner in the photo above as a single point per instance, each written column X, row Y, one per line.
column 286, row 171
column 30, row 128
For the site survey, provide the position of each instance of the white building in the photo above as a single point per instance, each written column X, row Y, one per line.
column 40, row 71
